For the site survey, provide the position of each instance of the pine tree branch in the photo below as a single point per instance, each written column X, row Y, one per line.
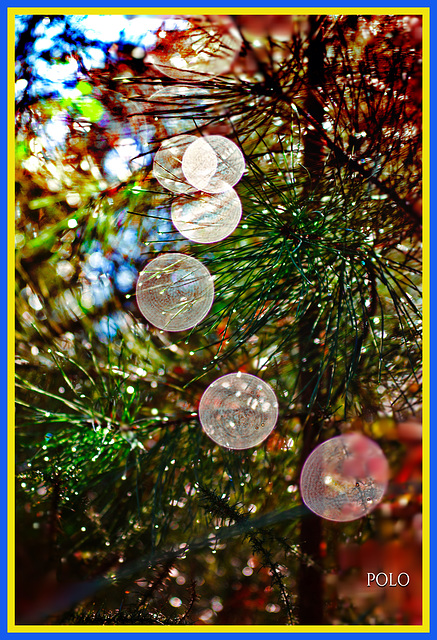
column 342, row 156
column 67, row 598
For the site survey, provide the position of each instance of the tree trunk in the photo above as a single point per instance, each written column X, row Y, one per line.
column 310, row 587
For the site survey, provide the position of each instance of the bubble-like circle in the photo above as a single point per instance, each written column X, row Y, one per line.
column 200, row 165
column 167, row 164
column 229, row 169
column 207, row 218
column 344, row 478
column 184, row 99
column 182, row 107
column 203, row 50
column 175, row 292
column 238, row 411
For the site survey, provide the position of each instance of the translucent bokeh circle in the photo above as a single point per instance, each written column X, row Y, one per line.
column 175, row 292
column 200, row 164
column 180, row 98
column 344, row 478
column 198, row 157
column 203, row 50
column 167, row 164
column 238, row 411
column 207, row 218
column 181, row 107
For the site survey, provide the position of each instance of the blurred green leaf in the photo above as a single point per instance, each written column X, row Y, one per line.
column 90, row 108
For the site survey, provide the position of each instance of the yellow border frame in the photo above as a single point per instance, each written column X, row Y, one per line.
column 425, row 626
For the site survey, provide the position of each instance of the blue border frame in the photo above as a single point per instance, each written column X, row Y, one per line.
column 3, row 321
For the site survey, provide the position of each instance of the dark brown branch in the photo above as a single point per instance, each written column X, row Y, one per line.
column 342, row 156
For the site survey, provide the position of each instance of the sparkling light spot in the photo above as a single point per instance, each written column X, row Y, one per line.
column 175, row 602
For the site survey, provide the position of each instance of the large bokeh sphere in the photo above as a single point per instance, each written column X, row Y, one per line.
column 238, row 410
column 197, row 163
column 184, row 98
column 344, row 478
column 167, row 164
column 200, row 52
column 175, row 292
column 206, row 218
